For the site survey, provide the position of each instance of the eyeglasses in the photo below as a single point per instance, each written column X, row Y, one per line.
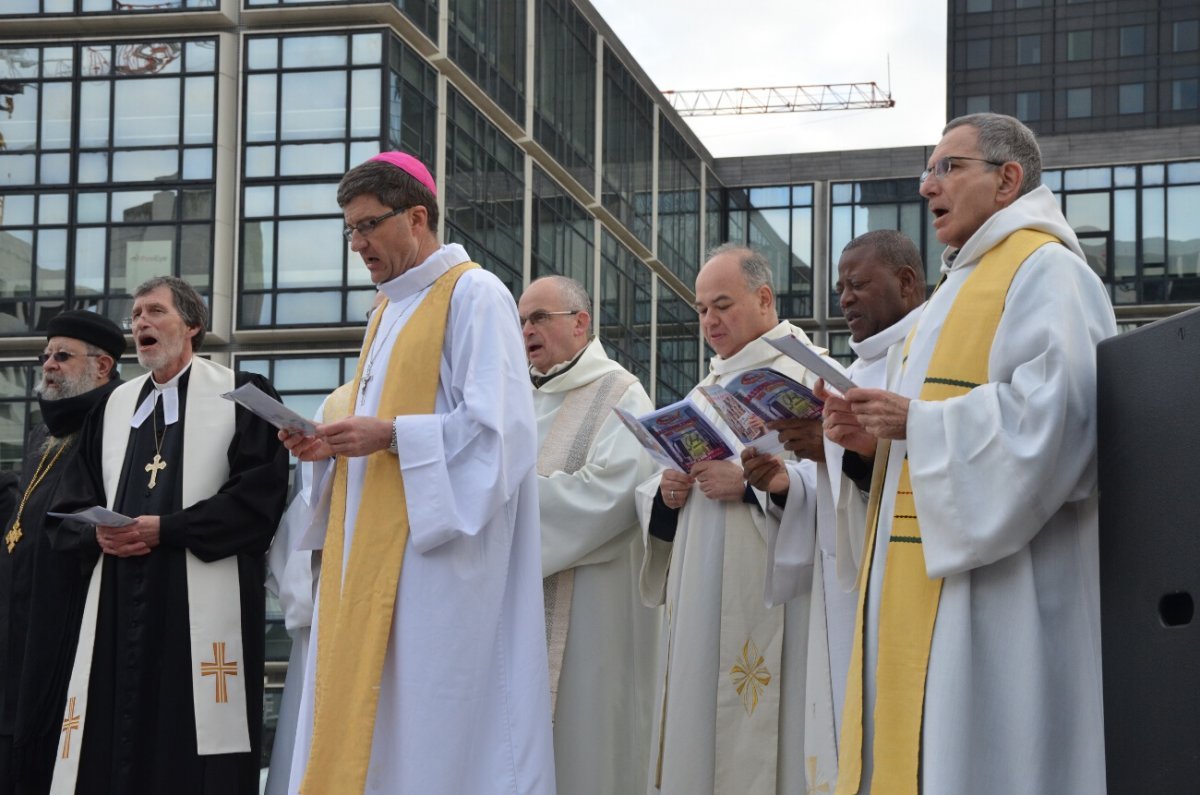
column 541, row 316
column 62, row 357
column 365, row 228
column 942, row 166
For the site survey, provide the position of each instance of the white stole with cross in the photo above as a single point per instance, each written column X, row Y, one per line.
column 214, row 603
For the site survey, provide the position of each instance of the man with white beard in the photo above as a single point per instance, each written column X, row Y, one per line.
column 41, row 591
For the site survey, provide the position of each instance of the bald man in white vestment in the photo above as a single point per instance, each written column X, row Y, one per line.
column 729, row 705
column 602, row 639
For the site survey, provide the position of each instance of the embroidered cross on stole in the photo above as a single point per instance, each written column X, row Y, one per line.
column 909, row 602
column 356, row 608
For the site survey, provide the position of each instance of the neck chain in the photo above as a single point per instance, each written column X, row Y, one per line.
column 157, row 465
column 39, row 474
column 377, row 345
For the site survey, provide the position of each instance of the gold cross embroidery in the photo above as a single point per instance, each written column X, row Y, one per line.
column 220, row 668
column 750, row 676
column 13, row 536
column 70, row 724
column 154, row 468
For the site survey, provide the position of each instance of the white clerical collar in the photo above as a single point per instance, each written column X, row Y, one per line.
column 417, row 278
column 876, row 346
column 170, row 399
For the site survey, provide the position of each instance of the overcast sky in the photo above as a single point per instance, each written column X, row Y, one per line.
column 700, row 44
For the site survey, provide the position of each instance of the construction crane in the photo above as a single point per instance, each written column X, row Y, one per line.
column 779, row 99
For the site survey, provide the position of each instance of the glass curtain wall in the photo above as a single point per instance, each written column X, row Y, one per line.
column 314, row 107
column 106, row 174
column 563, row 233
column 778, row 221
column 678, row 204
column 485, row 196
column 627, row 176
column 564, row 110
column 486, row 38
column 625, row 302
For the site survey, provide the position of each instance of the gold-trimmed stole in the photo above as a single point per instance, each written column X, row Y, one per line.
column 355, row 610
column 909, row 601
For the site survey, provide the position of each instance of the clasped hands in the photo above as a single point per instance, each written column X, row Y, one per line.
column 131, row 540
column 351, row 437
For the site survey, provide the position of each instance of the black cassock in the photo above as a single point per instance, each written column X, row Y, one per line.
column 140, row 731
column 42, row 601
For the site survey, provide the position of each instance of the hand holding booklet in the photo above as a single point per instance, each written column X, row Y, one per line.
column 678, row 436
column 263, row 405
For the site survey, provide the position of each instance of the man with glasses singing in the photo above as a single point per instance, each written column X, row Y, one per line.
column 429, row 669
column 976, row 658
column 601, row 638
column 41, row 592
column 165, row 692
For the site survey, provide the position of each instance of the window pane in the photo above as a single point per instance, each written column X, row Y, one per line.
column 311, row 253
column 1183, row 230
column 1184, row 94
column 979, row 53
column 1079, row 103
column 1133, row 40
column 979, row 104
column 1185, row 35
column 1088, row 212
column 147, row 112
column 313, row 105
column 1029, row 49
column 1131, row 98
column 304, row 51
column 1079, row 45
column 1029, row 105
column 309, row 308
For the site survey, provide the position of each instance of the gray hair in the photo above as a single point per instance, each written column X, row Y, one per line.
column 188, row 303
column 1003, row 139
column 894, row 249
column 755, row 266
column 573, row 294
column 393, row 186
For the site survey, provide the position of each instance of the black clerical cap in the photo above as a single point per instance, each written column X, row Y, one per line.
column 89, row 327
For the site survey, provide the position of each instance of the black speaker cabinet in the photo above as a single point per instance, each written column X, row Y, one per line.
column 1149, row 436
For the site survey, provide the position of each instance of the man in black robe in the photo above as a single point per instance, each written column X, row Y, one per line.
column 40, row 591
column 140, row 731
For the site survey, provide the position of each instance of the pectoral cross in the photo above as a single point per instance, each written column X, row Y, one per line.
column 220, row 668
column 13, row 536
column 154, row 468
column 70, row 724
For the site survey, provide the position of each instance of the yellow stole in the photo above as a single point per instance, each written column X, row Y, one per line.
column 909, row 602
column 355, row 618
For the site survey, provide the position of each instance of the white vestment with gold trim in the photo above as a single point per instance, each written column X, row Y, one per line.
column 708, row 734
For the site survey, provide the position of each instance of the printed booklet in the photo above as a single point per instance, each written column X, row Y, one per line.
column 756, row 397
column 678, row 436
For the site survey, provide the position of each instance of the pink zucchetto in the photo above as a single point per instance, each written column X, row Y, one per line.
column 411, row 166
